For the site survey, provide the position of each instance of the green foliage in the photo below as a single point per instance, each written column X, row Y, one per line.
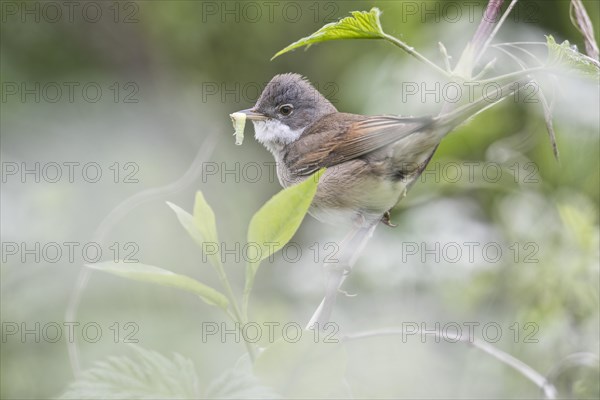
column 279, row 218
column 204, row 219
column 557, row 273
column 201, row 226
column 149, row 273
column 271, row 228
column 239, row 383
column 148, row 375
column 274, row 225
column 303, row 369
column 361, row 25
column 564, row 55
column 187, row 221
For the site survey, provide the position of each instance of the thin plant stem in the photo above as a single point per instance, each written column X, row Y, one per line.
column 484, row 30
column 524, row 369
column 512, row 75
column 239, row 317
column 246, row 296
column 496, row 29
column 581, row 20
column 444, row 52
column 350, row 249
column 235, row 317
column 410, row 50
column 530, row 54
column 473, row 50
column 521, row 43
column 513, row 57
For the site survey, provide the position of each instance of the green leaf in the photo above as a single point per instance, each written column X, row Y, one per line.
column 547, row 109
column 201, row 226
column 563, row 55
column 188, row 223
column 239, row 383
column 204, row 219
column 148, row 375
column 279, row 218
column 303, row 368
column 163, row 277
column 274, row 225
column 361, row 25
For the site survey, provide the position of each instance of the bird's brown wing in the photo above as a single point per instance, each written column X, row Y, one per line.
column 338, row 137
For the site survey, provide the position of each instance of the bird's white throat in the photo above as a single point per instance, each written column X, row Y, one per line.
column 274, row 134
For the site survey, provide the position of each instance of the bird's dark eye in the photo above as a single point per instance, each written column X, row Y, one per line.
column 286, row 109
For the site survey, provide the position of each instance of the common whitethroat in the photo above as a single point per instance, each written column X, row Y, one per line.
column 371, row 160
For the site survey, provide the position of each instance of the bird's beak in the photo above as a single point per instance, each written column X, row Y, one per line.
column 252, row 115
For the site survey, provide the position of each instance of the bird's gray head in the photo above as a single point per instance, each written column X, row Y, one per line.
column 287, row 105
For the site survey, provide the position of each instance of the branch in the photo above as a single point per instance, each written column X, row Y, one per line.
column 538, row 379
column 411, row 50
column 581, row 20
column 496, row 29
column 350, row 249
column 482, row 37
column 476, row 46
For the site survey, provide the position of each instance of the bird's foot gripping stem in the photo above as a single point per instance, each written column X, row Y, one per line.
column 386, row 219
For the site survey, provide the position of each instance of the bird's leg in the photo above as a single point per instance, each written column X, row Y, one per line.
column 386, row 219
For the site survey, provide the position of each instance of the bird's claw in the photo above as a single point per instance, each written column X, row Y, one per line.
column 386, row 219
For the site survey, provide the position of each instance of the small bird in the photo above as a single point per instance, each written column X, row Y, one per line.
column 371, row 161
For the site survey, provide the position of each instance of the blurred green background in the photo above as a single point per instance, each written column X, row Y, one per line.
column 171, row 72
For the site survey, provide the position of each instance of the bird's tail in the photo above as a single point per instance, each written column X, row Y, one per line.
column 450, row 120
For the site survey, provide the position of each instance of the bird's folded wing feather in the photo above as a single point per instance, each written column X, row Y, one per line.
column 333, row 140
